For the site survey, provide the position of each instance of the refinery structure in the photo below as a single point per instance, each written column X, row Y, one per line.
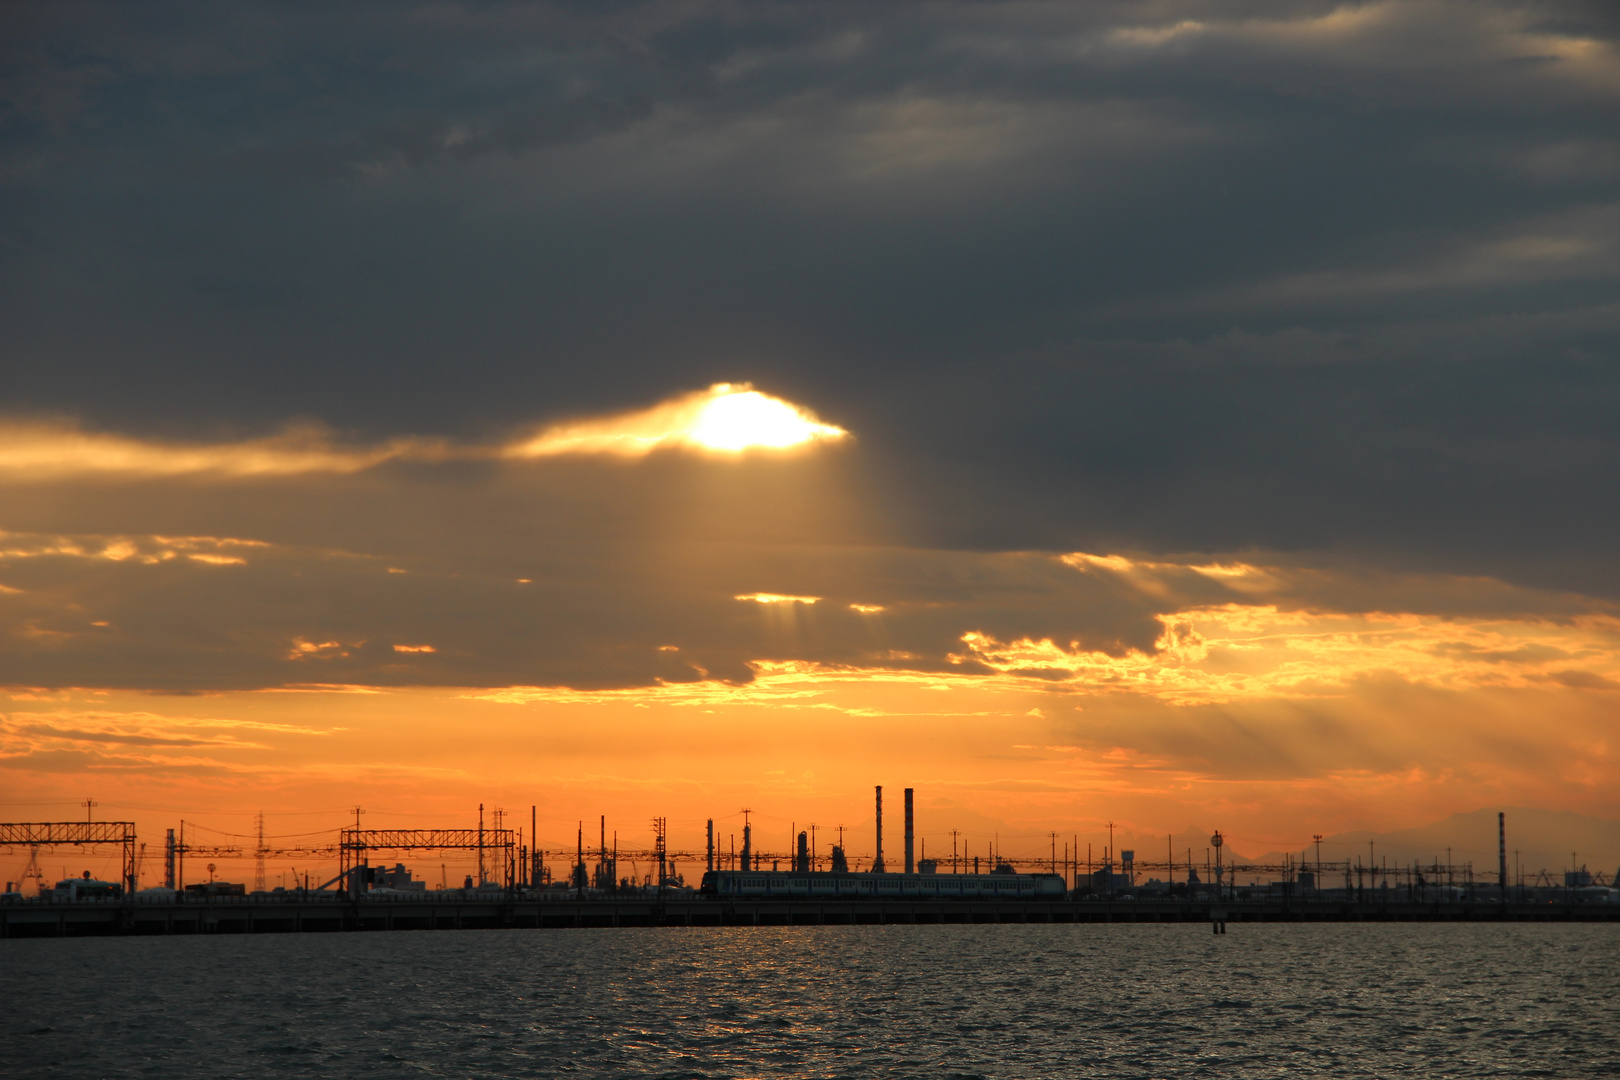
column 509, row 880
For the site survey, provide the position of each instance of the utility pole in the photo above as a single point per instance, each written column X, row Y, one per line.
column 89, row 805
column 353, row 886
column 1108, row 857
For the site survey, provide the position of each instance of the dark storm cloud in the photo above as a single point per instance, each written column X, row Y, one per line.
column 1171, row 276
column 599, row 573
column 587, row 574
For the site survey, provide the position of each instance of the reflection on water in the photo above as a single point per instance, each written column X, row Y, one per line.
column 993, row 1001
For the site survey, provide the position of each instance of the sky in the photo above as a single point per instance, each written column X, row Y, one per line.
column 1183, row 414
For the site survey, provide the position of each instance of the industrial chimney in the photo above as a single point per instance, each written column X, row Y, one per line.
column 911, row 865
column 1501, row 851
column 877, row 861
column 748, row 848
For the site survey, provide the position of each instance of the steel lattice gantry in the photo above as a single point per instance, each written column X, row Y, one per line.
column 38, row 834
column 500, row 844
column 180, row 852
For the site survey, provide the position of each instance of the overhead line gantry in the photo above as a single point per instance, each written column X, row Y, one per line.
column 47, row 834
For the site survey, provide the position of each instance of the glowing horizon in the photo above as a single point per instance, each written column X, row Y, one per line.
column 1238, row 713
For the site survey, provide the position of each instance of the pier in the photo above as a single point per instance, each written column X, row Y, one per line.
column 257, row 915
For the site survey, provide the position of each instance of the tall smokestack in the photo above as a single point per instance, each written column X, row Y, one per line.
column 748, row 848
column 911, row 865
column 710, row 865
column 1501, row 851
column 877, row 862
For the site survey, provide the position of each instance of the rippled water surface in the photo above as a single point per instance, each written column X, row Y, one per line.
column 937, row 1001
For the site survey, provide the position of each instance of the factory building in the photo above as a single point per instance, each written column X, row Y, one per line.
column 73, row 890
column 920, row 880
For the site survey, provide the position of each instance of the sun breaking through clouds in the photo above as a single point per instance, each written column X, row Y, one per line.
column 726, row 418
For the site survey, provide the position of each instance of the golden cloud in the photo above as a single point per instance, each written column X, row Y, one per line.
column 1235, row 652
column 727, row 418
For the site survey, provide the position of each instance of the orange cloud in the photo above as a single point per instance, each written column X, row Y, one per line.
column 302, row 649
column 45, row 452
column 1235, row 652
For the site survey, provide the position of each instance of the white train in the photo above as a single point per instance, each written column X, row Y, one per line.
column 817, row 886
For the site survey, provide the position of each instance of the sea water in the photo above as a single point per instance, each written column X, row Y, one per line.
column 1152, row 1001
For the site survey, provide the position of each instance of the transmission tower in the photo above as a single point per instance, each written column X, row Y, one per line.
column 258, row 858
